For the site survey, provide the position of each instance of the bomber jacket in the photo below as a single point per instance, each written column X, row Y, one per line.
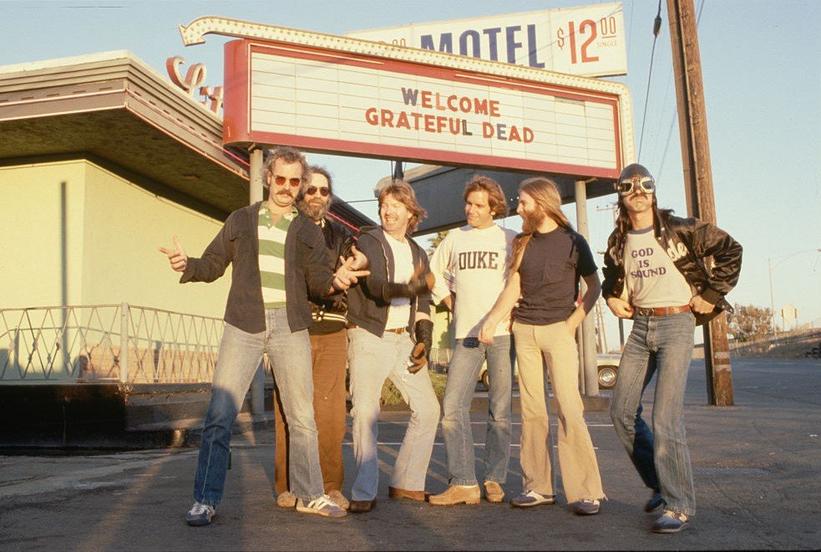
column 307, row 269
column 368, row 301
column 688, row 241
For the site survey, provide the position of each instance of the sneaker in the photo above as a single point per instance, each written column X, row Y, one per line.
column 671, row 522
column 322, row 506
column 200, row 514
column 339, row 499
column 655, row 503
column 457, row 494
column 494, row 492
column 532, row 498
column 286, row 499
column 586, row 507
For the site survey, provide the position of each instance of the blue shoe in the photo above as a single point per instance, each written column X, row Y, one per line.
column 655, row 503
column 671, row 522
column 586, row 507
column 200, row 514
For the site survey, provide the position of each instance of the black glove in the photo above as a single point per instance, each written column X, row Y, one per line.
column 419, row 283
column 423, row 332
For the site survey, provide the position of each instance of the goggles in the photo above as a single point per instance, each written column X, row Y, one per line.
column 628, row 186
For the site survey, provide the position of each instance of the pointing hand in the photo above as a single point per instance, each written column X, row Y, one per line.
column 176, row 256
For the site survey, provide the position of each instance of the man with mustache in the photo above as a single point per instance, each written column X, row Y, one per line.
column 278, row 258
column 329, row 347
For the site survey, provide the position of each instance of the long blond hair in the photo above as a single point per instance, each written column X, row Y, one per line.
column 548, row 200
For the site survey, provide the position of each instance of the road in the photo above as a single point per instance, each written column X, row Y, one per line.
column 756, row 468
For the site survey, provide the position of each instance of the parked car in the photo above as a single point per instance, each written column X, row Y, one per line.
column 608, row 365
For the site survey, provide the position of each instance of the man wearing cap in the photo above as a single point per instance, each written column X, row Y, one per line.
column 657, row 274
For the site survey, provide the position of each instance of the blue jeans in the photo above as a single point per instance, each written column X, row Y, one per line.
column 372, row 360
column 657, row 345
column 456, row 428
column 239, row 357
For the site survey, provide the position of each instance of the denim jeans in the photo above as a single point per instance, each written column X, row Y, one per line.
column 456, row 428
column 239, row 357
column 371, row 360
column 657, row 345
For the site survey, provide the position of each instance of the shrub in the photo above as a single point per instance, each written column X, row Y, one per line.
column 391, row 395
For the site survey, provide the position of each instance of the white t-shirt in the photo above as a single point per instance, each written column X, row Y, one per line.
column 652, row 278
column 399, row 309
column 471, row 263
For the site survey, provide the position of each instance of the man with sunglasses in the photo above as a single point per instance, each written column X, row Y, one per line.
column 657, row 274
column 329, row 351
column 278, row 258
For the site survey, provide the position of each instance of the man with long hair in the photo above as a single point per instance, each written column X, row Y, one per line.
column 278, row 258
column 549, row 259
column 384, row 311
column 469, row 266
column 655, row 273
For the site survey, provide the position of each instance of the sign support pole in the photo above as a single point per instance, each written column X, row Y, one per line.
column 255, row 193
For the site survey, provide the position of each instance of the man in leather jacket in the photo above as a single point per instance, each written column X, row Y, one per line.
column 657, row 273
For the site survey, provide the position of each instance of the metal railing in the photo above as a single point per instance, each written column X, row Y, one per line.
column 106, row 343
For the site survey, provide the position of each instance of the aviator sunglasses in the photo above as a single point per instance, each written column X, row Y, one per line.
column 311, row 190
column 294, row 182
column 630, row 185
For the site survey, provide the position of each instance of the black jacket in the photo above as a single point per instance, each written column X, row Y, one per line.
column 688, row 241
column 368, row 301
column 307, row 269
column 329, row 313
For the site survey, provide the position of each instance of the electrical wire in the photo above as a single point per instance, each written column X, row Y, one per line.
column 656, row 29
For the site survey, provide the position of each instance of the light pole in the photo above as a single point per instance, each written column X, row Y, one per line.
column 781, row 259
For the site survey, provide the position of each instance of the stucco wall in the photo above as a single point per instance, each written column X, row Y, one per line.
column 96, row 242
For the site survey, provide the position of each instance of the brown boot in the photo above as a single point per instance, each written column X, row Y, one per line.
column 494, row 492
column 397, row 493
column 457, row 494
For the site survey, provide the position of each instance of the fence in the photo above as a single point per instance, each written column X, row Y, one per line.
column 104, row 343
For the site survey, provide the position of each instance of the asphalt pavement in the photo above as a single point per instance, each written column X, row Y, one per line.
column 756, row 468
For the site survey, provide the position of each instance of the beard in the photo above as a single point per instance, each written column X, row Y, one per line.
column 315, row 210
column 532, row 220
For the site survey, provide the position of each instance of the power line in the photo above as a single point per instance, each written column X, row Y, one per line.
column 656, row 29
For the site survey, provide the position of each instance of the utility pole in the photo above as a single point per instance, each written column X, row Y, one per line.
column 698, row 179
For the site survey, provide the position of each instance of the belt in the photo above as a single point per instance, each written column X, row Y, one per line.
column 660, row 311
column 398, row 331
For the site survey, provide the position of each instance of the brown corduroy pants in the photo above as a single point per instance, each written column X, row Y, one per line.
column 329, row 354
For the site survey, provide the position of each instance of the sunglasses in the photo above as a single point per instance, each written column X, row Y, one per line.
column 294, row 182
column 629, row 186
column 311, row 190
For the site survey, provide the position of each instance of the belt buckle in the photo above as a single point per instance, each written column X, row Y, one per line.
column 644, row 311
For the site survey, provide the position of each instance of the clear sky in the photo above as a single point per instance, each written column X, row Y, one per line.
column 761, row 64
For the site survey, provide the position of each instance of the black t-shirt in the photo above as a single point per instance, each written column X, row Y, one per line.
column 549, row 274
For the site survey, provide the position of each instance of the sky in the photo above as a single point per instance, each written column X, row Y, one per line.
column 761, row 64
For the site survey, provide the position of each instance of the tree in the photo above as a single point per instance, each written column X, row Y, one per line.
column 436, row 240
column 750, row 322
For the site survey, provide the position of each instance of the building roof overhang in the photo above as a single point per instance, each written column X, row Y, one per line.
column 115, row 109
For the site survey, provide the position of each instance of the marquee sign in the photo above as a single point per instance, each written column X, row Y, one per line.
column 341, row 95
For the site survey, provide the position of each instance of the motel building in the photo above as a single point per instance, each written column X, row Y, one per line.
column 103, row 160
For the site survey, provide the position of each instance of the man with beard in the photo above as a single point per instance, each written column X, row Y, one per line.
column 278, row 257
column 549, row 258
column 655, row 273
column 329, row 349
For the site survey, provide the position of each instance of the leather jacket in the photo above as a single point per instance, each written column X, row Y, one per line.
column 329, row 313
column 688, row 242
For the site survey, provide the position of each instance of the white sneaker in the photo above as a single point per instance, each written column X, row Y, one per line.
column 286, row 500
column 322, row 506
column 339, row 499
column 200, row 514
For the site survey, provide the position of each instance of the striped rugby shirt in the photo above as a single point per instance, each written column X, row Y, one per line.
column 272, row 256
